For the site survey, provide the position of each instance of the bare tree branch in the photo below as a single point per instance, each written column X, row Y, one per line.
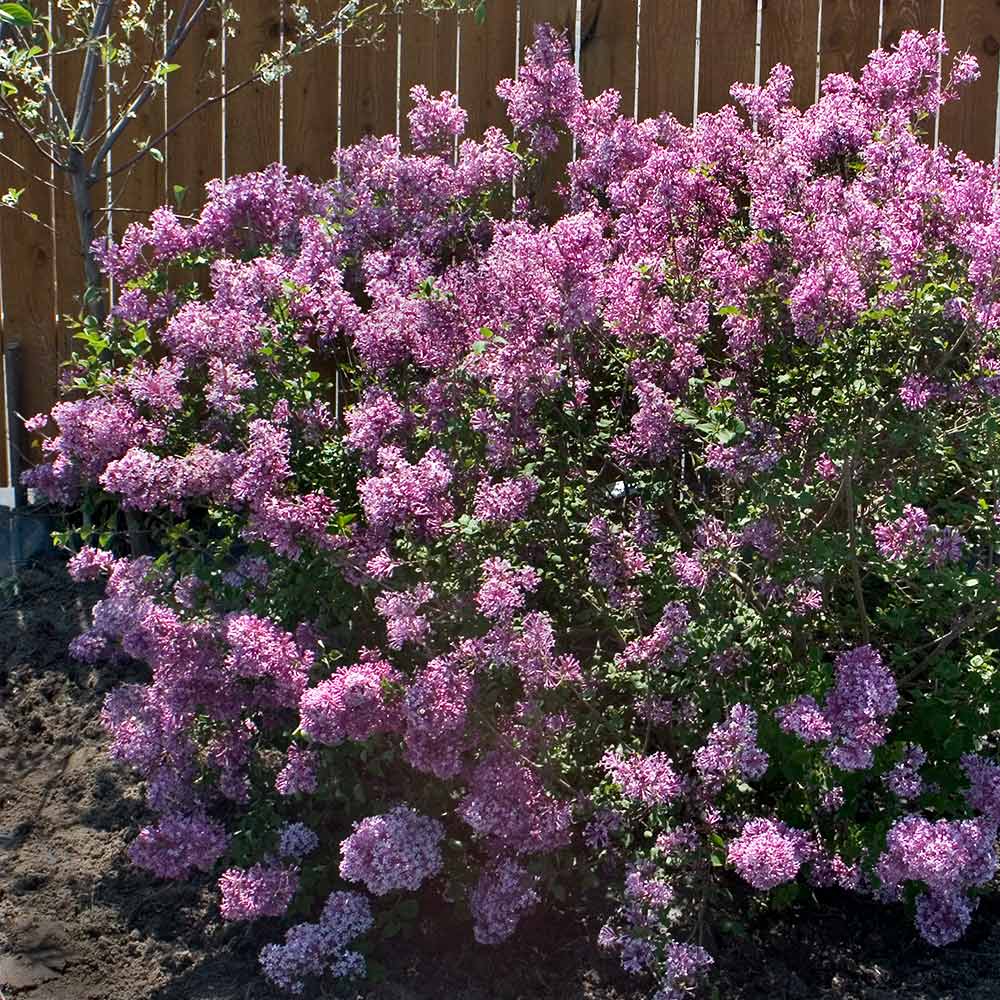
column 177, row 39
column 208, row 102
column 12, row 116
column 88, row 78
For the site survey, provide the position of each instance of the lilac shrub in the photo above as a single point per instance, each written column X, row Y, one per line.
column 658, row 536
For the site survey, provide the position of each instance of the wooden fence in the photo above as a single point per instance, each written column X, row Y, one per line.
column 663, row 55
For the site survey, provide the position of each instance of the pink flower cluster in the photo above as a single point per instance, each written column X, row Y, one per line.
column 853, row 721
column 264, row 890
column 949, row 857
column 353, row 703
column 320, row 948
column 395, row 851
column 768, row 852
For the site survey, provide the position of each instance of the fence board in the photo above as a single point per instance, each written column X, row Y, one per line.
column 252, row 115
column 970, row 123
column 850, row 33
column 428, row 56
column 488, row 55
column 728, row 50
column 310, row 113
column 789, row 37
column 904, row 15
column 68, row 252
column 368, row 90
column 607, row 49
column 666, row 58
column 28, row 276
column 194, row 151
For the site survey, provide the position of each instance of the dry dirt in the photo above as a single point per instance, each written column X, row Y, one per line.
column 78, row 922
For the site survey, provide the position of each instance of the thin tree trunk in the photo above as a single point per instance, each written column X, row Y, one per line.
column 93, row 296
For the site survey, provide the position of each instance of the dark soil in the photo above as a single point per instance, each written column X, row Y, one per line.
column 78, row 922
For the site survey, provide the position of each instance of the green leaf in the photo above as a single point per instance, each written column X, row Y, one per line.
column 15, row 13
column 156, row 154
column 480, row 13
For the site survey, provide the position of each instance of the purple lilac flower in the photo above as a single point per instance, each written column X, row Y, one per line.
column 509, row 806
column 352, row 704
column 505, row 501
column 436, row 710
column 178, row 844
column 853, row 721
column 547, row 91
column 498, row 901
column 768, row 852
column 296, row 841
column 504, row 588
column 315, row 949
column 265, row 890
column 731, row 749
column 298, row 775
column 650, row 779
column 900, row 539
column 401, row 611
column 904, row 780
column 434, row 121
column 398, row 850
column 983, row 793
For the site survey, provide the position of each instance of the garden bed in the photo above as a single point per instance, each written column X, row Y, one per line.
column 79, row 922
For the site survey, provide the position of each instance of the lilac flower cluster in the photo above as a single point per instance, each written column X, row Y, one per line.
column 398, row 850
column 853, row 721
column 731, row 749
column 265, row 890
column 178, row 844
column 504, row 588
column 320, row 948
column 297, row 841
column 498, row 901
column 949, row 858
column 768, row 852
column 508, row 804
column 353, row 703
column 651, row 779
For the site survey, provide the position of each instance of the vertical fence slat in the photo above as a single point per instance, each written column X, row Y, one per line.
column 488, row 55
column 29, row 303
column 666, row 58
column 194, row 151
column 252, row 117
column 728, row 42
column 850, row 31
column 789, row 37
column 69, row 254
column 970, row 122
column 368, row 87
column 607, row 49
column 311, row 108
column 428, row 57
column 904, row 15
